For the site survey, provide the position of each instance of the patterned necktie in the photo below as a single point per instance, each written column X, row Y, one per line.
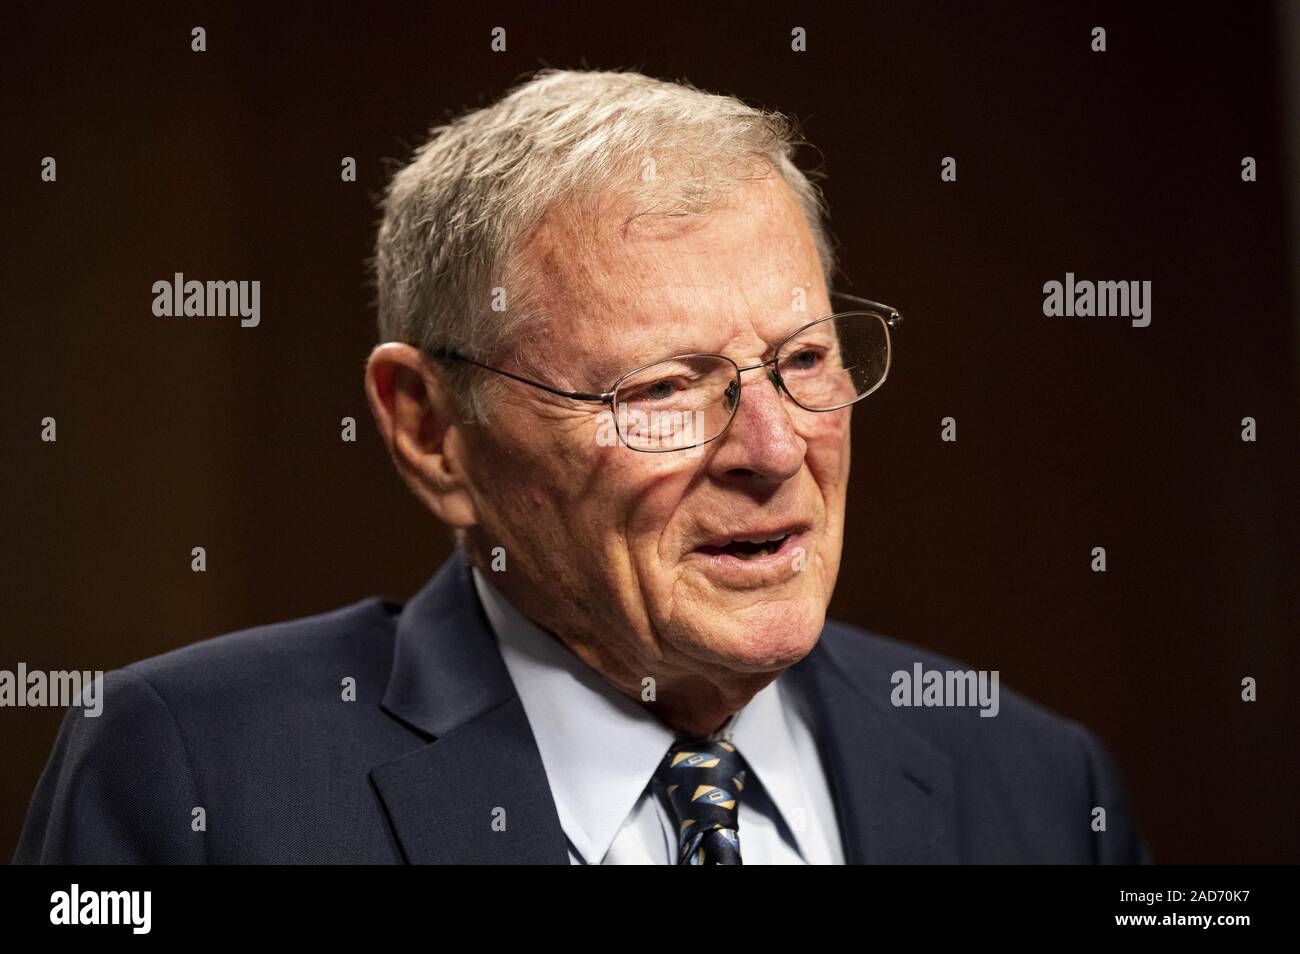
column 703, row 781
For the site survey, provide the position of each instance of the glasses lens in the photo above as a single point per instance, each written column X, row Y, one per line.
column 677, row 403
column 836, row 361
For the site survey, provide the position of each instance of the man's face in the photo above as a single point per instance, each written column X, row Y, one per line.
column 622, row 553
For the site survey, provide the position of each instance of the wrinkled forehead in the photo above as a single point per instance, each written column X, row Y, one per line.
column 617, row 278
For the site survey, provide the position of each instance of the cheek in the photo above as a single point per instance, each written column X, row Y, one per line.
column 645, row 494
column 613, row 497
column 827, row 441
column 533, row 485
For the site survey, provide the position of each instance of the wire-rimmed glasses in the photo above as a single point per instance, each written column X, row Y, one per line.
column 688, row 400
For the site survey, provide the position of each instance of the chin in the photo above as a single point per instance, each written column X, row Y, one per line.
column 768, row 637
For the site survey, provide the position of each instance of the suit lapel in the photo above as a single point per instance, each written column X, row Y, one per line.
column 893, row 789
column 477, row 793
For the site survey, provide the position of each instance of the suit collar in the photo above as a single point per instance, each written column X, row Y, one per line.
column 894, row 790
column 446, row 666
column 477, row 793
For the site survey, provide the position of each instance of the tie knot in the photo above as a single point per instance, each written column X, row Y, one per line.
column 703, row 780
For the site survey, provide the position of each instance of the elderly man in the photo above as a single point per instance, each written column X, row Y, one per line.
column 612, row 364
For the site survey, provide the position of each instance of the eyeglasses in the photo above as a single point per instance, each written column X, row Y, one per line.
column 689, row 400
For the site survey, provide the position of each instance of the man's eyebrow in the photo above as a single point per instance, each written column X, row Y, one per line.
column 605, row 371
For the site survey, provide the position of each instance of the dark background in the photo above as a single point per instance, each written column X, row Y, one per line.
column 1073, row 433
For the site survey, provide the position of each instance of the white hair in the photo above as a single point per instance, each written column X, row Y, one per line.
column 454, row 217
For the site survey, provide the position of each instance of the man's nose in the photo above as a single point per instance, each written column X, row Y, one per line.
column 761, row 443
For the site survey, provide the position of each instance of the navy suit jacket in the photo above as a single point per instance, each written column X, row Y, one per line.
column 253, row 729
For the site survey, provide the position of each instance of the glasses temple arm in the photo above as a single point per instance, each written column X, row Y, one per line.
column 894, row 318
column 573, row 395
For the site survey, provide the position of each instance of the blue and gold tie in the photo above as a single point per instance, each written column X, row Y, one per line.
column 703, row 780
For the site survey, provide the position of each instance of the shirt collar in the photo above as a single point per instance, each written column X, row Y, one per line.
column 600, row 749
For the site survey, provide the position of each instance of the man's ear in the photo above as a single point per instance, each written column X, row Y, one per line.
column 420, row 424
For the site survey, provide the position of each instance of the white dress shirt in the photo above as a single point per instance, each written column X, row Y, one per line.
column 600, row 750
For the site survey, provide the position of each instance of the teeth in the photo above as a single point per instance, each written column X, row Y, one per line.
column 779, row 536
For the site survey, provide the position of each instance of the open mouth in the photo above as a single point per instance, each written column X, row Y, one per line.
column 748, row 549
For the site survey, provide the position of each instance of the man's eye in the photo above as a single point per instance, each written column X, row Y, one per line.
column 804, row 360
column 660, row 390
